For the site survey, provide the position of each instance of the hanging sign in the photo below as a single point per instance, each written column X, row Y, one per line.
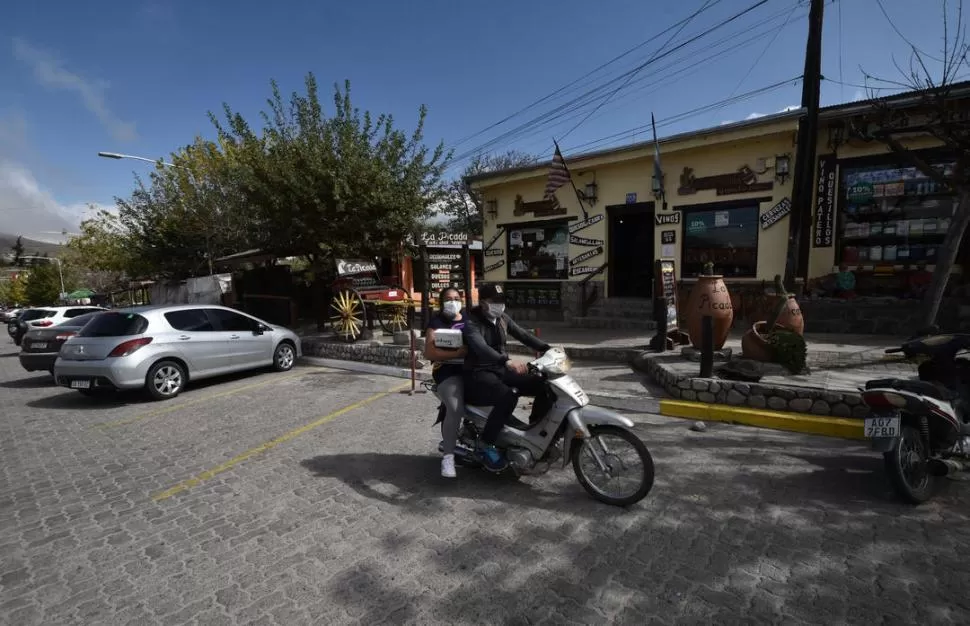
column 346, row 267
column 495, row 252
column 773, row 215
column 668, row 218
column 494, row 266
column 581, row 241
column 668, row 236
column 825, row 202
column 589, row 254
column 582, row 269
column 586, row 223
column 498, row 233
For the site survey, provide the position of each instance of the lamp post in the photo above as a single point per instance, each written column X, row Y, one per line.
column 60, row 271
column 118, row 155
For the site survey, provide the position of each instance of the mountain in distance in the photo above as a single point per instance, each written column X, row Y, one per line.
column 31, row 246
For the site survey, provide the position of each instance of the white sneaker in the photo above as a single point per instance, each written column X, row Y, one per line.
column 448, row 466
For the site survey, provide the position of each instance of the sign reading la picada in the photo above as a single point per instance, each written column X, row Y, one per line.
column 346, row 267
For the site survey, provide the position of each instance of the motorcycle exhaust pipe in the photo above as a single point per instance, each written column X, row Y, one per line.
column 944, row 467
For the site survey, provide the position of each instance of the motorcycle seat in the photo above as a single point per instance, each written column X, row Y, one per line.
column 921, row 387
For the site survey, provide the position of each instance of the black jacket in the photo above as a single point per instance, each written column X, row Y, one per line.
column 486, row 340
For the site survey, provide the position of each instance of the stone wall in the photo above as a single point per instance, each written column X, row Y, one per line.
column 879, row 316
column 755, row 395
column 572, row 304
column 364, row 352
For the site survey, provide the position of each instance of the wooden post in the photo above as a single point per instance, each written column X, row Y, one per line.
column 426, row 288
column 467, row 266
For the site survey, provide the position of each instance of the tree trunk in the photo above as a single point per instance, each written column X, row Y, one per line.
column 945, row 258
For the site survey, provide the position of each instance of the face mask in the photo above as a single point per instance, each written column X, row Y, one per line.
column 495, row 310
column 451, row 308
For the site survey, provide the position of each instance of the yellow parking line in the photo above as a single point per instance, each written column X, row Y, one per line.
column 263, row 447
column 181, row 405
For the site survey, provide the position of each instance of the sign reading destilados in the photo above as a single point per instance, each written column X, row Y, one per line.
column 346, row 267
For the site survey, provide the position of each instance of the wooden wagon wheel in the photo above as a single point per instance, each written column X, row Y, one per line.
column 348, row 315
column 398, row 316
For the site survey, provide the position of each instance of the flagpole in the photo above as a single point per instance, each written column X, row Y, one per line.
column 657, row 170
column 571, row 181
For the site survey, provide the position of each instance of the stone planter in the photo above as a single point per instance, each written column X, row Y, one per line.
column 710, row 296
column 753, row 344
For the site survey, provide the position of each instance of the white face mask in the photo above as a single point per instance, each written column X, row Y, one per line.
column 495, row 310
column 451, row 308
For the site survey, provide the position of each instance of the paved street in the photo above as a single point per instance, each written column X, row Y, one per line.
column 265, row 499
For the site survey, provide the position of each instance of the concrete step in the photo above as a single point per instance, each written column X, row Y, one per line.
column 614, row 323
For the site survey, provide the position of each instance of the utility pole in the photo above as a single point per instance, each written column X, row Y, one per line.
column 803, row 182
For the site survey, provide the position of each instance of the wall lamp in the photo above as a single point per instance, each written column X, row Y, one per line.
column 491, row 208
column 589, row 193
column 782, row 167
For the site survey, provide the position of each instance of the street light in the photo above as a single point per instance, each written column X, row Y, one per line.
column 118, row 155
column 60, row 272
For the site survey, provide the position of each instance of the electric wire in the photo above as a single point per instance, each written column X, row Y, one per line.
column 766, row 48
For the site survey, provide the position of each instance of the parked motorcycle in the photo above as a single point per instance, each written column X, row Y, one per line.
column 592, row 438
column 921, row 426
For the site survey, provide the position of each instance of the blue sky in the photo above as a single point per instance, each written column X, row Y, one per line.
column 139, row 77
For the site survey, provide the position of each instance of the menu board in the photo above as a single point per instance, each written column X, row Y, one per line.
column 666, row 282
column 533, row 295
column 446, row 268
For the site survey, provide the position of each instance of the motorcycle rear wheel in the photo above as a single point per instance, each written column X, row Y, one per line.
column 908, row 467
column 646, row 475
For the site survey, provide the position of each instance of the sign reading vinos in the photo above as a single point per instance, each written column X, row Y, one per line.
column 589, row 254
column 667, row 218
column 586, row 223
column 494, row 266
column 346, row 267
column 582, row 241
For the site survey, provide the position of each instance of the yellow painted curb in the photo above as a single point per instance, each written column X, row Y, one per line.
column 776, row 420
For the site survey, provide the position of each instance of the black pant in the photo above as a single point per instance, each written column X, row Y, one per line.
column 501, row 389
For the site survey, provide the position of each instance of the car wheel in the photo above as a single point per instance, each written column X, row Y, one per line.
column 165, row 380
column 284, row 358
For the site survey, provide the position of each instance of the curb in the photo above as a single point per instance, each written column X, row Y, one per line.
column 776, row 420
column 605, row 399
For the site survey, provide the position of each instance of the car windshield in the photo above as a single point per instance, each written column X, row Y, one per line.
column 36, row 314
column 78, row 322
column 115, row 324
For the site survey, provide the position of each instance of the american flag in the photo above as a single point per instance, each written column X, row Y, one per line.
column 558, row 175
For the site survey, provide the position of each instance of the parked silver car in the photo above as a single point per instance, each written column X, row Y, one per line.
column 161, row 348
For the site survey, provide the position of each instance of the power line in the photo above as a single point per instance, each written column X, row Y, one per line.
column 583, row 77
column 766, row 48
column 564, row 107
column 567, row 111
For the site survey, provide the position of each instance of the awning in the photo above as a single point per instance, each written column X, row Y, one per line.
column 80, row 294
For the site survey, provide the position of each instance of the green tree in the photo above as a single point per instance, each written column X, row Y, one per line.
column 16, row 292
column 327, row 187
column 18, row 251
column 465, row 206
column 43, row 284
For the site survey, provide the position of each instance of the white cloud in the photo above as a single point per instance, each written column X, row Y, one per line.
column 791, row 107
column 51, row 73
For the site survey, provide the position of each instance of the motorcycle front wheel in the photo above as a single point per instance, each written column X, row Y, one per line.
column 908, row 467
column 627, row 462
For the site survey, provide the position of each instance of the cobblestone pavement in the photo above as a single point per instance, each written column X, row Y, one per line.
column 347, row 521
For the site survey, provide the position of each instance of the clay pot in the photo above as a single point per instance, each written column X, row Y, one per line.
column 710, row 297
column 753, row 344
column 790, row 317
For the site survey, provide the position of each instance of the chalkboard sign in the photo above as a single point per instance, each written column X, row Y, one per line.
column 533, row 295
column 666, row 282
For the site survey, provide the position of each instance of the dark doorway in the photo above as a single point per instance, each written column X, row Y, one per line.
column 631, row 250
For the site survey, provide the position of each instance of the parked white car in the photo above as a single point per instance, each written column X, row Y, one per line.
column 45, row 317
column 162, row 348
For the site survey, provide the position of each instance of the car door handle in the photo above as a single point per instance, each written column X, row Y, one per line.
column 234, row 336
column 184, row 337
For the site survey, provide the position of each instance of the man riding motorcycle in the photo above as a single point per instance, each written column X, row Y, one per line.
column 491, row 377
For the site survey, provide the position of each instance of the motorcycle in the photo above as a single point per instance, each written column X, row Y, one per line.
column 921, row 426
column 572, row 430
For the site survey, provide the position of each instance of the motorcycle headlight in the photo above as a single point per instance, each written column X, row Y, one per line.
column 559, row 368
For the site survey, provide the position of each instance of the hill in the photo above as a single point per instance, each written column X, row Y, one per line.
column 31, row 246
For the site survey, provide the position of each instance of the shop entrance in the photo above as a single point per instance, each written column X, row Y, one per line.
column 631, row 250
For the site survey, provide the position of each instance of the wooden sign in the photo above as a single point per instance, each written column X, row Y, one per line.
column 773, row 215
column 589, row 254
column 494, row 266
column 495, row 252
column 586, row 223
column 347, row 267
column 581, row 241
column 668, row 218
column 583, row 269
column 498, row 233
column 541, row 208
column 741, row 181
column 668, row 237
column 825, row 202
column 666, row 289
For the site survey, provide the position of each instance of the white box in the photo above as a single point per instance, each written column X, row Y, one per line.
column 447, row 338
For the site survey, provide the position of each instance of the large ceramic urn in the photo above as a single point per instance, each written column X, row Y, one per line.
column 790, row 315
column 710, row 296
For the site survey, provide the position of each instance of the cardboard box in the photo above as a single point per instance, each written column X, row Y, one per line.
column 447, row 338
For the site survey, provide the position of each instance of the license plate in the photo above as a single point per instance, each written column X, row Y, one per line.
column 80, row 384
column 883, row 427
column 38, row 346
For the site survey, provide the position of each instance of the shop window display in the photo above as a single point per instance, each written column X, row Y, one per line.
column 540, row 252
column 726, row 237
